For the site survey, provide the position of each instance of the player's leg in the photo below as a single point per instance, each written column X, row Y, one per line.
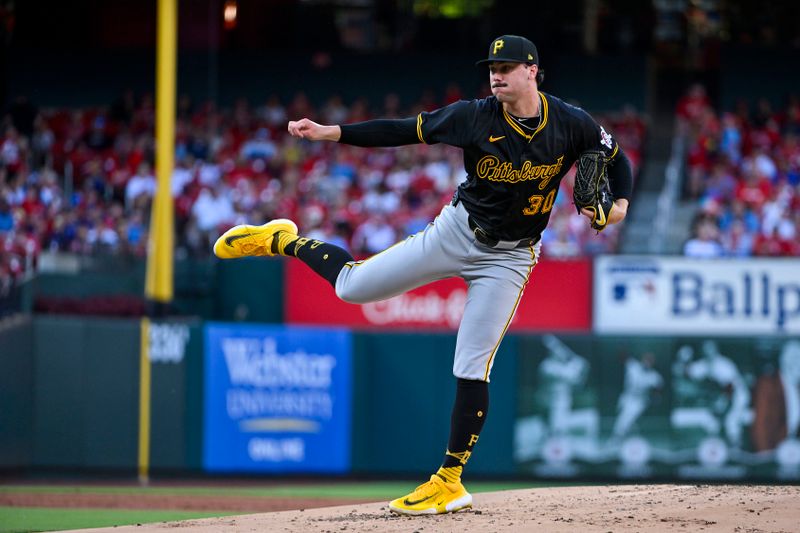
column 434, row 253
column 279, row 237
column 411, row 263
column 246, row 240
column 492, row 301
column 495, row 288
column 437, row 252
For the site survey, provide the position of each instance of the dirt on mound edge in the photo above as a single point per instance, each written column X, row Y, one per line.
column 707, row 508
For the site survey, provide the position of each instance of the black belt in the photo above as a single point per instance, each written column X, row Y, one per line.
column 487, row 240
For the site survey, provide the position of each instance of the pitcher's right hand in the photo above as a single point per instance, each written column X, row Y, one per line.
column 308, row 129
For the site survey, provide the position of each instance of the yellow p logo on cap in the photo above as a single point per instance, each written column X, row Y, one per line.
column 498, row 44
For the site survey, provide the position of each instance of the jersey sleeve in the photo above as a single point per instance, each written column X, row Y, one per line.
column 448, row 125
column 589, row 135
column 380, row 132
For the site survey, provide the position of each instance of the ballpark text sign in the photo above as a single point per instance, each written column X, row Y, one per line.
column 681, row 295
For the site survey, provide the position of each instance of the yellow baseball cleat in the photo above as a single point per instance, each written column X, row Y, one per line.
column 434, row 497
column 244, row 240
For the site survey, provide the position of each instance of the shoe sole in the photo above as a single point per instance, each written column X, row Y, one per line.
column 464, row 502
column 220, row 245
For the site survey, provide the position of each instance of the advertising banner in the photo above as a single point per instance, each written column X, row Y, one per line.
column 691, row 408
column 277, row 399
column 656, row 295
column 557, row 298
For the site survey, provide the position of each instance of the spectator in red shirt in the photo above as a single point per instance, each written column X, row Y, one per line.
column 693, row 103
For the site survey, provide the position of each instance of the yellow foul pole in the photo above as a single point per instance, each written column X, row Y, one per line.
column 159, row 277
column 144, row 401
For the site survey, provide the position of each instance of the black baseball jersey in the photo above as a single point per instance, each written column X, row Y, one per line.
column 514, row 172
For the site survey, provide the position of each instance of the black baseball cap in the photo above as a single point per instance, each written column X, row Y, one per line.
column 512, row 48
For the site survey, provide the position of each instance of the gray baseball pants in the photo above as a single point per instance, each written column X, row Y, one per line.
column 496, row 279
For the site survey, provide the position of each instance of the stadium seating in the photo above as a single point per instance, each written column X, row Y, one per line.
column 82, row 180
column 743, row 170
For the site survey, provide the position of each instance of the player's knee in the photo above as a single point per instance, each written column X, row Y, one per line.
column 351, row 295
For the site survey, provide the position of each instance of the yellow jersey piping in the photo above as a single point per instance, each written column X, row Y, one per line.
column 419, row 129
column 511, row 316
column 518, row 129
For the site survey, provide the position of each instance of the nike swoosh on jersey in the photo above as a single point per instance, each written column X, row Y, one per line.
column 233, row 238
column 495, row 139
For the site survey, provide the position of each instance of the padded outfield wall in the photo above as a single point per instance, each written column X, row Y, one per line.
column 569, row 404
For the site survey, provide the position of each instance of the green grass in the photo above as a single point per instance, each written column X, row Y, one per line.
column 343, row 490
column 23, row 519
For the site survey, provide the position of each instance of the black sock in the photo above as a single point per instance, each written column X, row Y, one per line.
column 466, row 422
column 325, row 259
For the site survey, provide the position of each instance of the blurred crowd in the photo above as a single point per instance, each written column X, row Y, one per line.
column 82, row 180
column 744, row 171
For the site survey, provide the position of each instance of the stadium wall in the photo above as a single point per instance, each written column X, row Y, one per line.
column 574, row 406
column 16, row 392
column 692, row 373
column 73, row 401
column 211, row 290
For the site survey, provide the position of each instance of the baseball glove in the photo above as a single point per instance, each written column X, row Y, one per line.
column 592, row 190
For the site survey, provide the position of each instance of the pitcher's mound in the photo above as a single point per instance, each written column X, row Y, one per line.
column 730, row 508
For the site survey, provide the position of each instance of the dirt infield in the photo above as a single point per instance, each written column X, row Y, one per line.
column 737, row 509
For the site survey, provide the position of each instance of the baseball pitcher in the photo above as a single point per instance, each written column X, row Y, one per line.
column 518, row 144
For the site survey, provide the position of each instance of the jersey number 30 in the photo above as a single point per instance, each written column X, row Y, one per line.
column 539, row 202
